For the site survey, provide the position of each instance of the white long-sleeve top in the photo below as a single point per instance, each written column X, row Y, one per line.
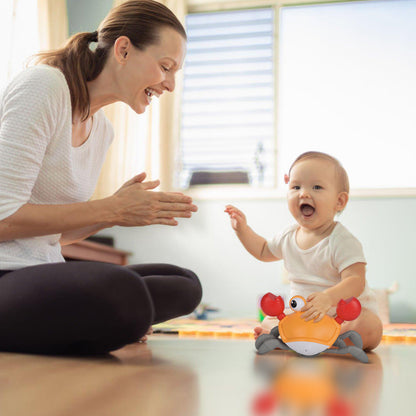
column 38, row 164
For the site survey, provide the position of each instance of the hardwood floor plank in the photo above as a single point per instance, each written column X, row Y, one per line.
column 200, row 377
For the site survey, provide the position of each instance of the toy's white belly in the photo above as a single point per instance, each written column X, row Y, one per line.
column 307, row 348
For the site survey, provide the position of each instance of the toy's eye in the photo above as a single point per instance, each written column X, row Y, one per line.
column 297, row 303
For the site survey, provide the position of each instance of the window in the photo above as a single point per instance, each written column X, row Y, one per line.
column 19, row 34
column 228, row 132
column 344, row 82
column 347, row 86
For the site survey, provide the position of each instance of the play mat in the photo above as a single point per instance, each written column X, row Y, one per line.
column 219, row 328
column 225, row 328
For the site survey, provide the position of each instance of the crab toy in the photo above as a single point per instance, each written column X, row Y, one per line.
column 308, row 337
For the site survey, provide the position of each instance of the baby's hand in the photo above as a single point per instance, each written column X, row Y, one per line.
column 238, row 219
column 317, row 305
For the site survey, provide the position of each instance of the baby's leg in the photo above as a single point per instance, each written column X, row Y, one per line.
column 268, row 323
column 369, row 326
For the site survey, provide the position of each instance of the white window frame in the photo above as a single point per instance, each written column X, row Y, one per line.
column 279, row 192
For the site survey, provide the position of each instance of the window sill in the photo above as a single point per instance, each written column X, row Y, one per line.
column 228, row 192
column 213, row 192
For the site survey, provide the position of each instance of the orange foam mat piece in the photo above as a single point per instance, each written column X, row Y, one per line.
column 228, row 328
column 220, row 328
column 400, row 333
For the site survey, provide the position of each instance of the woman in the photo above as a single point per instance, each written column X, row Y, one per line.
column 53, row 139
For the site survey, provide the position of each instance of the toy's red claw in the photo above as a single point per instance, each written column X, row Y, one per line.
column 272, row 305
column 348, row 310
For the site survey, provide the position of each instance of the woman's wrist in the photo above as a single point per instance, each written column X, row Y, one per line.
column 104, row 212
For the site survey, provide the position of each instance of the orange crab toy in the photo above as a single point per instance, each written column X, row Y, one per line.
column 309, row 337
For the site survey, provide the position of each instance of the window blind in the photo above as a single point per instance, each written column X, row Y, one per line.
column 228, row 98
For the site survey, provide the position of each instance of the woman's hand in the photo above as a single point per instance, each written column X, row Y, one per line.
column 318, row 304
column 237, row 217
column 135, row 204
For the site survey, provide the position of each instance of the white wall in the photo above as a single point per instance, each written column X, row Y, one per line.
column 233, row 280
column 85, row 16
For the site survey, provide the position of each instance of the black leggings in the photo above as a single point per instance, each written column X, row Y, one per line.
column 89, row 307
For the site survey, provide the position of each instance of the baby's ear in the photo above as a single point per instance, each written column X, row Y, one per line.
column 342, row 201
column 286, row 178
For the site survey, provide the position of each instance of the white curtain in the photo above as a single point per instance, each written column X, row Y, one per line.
column 26, row 27
column 145, row 142
column 128, row 153
column 53, row 23
column 170, row 113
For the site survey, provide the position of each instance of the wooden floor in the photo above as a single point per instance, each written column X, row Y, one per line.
column 173, row 376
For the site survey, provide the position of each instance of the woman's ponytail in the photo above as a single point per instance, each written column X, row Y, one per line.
column 80, row 64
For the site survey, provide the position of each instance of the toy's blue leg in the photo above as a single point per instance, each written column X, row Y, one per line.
column 274, row 333
column 339, row 343
column 356, row 352
column 270, row 343
column 263, row 338
column 354, row 336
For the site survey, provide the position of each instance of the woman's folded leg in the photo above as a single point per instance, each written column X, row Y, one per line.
column 175, row 291
column 73, row 308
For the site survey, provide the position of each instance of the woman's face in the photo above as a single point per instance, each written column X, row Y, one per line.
column 151, row 72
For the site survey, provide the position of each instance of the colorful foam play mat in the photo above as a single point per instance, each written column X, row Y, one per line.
column 227, row 328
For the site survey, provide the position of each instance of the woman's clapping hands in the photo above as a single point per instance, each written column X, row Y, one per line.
column 136, row 204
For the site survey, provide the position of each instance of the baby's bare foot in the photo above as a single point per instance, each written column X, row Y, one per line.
column 144, row 338
column 258, row 330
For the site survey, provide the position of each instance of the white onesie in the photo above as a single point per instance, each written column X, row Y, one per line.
column 38, row 164
column 319, row 267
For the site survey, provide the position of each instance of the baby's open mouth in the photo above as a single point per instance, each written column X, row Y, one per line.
column 307, row 210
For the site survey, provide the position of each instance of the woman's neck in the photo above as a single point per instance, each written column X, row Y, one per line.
column 102, row 90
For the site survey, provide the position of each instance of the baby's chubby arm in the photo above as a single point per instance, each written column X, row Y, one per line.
column 352, row 284
column 253, row 243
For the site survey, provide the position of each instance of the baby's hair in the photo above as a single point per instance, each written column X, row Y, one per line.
column 341, row 173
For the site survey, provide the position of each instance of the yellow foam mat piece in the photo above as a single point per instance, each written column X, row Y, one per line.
column 399, row 333
column 243, row 329
column 220, row 328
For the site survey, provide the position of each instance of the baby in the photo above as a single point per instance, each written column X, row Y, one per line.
column 325, row 262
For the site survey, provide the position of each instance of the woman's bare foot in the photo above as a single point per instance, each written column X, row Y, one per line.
column 258, row 330
column 144, row 338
